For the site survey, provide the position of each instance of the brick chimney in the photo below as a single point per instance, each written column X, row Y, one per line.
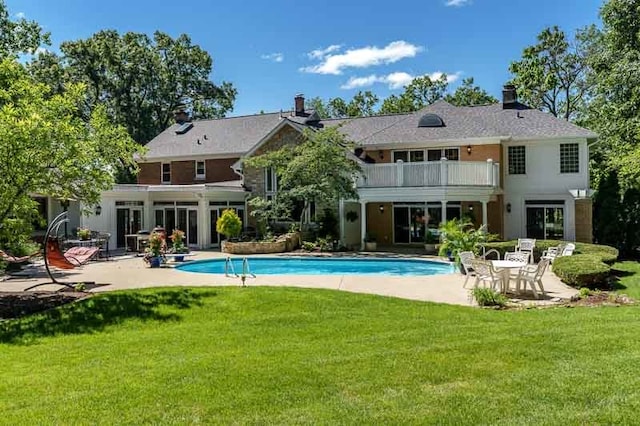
column 181, row 115
column 509, row 97
column 299, row 105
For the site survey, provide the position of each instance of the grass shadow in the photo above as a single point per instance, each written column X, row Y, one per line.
column 96, row 313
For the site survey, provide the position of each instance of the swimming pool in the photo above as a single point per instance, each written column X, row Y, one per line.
column 322, row 266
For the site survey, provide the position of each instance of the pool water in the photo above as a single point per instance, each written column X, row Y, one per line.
column 322, row 266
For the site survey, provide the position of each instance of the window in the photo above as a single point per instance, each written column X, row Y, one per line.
column 569, row 160
column 200, row 171
column 270, row 182
column 418, row 155
column 545, row 219
column 517, row 160
column 166, row 172
column 452, row 154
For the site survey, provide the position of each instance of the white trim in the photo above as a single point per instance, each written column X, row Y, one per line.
column 165, row 159
column 436, row 143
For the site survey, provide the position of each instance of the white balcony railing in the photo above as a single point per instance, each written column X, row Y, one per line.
column 430, row 173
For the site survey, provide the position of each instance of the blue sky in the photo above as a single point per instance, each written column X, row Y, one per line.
column 271, row 50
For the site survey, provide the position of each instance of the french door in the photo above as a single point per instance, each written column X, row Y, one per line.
column 179, row 215
column 129, row 220
column 409, row 223
column 545, row 220
column 215, row 211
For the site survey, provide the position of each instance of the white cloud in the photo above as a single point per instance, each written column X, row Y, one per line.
column 41, row 50
column 275, row 57
column 20, row 15
column 395, row 80
column 364, row 57
column 457, row 3
column 321, row 53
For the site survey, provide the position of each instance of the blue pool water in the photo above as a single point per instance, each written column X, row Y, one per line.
column 322, row 266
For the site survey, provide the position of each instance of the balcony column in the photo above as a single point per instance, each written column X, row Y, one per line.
column 484, row 213
column 444, row 211
column 363, row 222
column 400, row 173
column 444, row 172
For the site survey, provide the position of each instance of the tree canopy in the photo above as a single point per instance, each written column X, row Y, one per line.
column 47, row 149
column 141, row 80
column 20, row 36
column 422, row 91
column 552, row 74
column 316, row 170
column 468, row 94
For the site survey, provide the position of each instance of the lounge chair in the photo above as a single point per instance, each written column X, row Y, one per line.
column 6, row 257
column 561, row 250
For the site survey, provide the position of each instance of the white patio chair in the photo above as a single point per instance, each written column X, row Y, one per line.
column 485, row 273
column 532, row 275
column 515, row 256
column 527, row 245
column 568, row 249
column 552, row 252
column 466, row 258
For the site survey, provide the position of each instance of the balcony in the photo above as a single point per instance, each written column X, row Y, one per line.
column 431, row 174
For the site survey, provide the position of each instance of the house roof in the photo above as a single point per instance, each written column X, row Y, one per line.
column 488, row 121
column 237, row 135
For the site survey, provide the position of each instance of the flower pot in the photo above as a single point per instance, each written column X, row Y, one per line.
column 430, row 248
column 179, row 258
column 370, row 246
column 154, row 262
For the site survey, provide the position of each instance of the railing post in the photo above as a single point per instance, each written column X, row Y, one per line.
column 400, row 173
column 444, row 172
column 490, row 181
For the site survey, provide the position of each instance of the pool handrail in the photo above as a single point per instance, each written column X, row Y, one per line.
column 246, row 269
column 228, row 263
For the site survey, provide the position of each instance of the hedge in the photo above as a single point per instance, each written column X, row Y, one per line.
column 581, row 270
column 606, row 254
column 588, row 267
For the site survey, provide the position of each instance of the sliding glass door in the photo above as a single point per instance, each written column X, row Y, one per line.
column 409, row 224
column 545, row 220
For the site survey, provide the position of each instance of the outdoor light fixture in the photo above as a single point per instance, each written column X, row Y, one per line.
column 381, row 208
column 508, row 207
column 381, row 154
column 98, row 210
column 469, row 149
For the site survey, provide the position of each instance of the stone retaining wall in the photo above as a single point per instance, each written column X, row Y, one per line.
column 283, row 244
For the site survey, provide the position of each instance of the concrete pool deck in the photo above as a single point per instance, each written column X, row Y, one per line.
column 130, row 272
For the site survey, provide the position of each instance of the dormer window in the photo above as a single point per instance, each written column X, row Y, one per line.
column 200, row 170
column 166, row 173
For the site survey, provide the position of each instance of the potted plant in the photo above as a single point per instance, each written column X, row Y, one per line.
column 370, row 243
column 457, row 236
column 178, row 247
column 229, row 225
column 84, row 233
column 430, row 242
column 153, row 252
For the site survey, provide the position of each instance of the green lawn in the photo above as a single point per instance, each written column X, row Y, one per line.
column 628, row 273
column 281, row 356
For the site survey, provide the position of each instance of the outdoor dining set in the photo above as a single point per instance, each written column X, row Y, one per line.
column 516, row 271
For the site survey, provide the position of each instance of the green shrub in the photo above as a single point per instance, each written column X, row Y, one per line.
column 457, row 236
column 488, row 297
column 229, row 224
column 606, row 254
column 582, row 270
column 584, row 292
column 308, row 246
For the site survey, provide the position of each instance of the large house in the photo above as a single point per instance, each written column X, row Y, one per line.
column 522, row 172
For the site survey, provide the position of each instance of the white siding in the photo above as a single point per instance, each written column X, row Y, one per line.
column 542, row 181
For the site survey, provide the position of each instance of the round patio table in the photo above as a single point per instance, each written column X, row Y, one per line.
column 504, row 267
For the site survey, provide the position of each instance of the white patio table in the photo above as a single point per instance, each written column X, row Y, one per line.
column 504, row 267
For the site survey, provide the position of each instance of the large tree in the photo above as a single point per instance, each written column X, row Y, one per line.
column 316, row 170
column 468, row 94
column 46, row 148
column 20, row 36
column 551, row 75
column 361, row 105
column 422, row 91
column 141, row 80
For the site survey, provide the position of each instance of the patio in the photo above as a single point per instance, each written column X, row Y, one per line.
column 129, row 272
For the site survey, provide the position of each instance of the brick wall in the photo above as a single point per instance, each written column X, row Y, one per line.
column 184, row 172
column 149, row 174
column 481, row 153
column 584, row 226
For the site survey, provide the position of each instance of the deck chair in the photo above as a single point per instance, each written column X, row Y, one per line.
column 526, row 245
